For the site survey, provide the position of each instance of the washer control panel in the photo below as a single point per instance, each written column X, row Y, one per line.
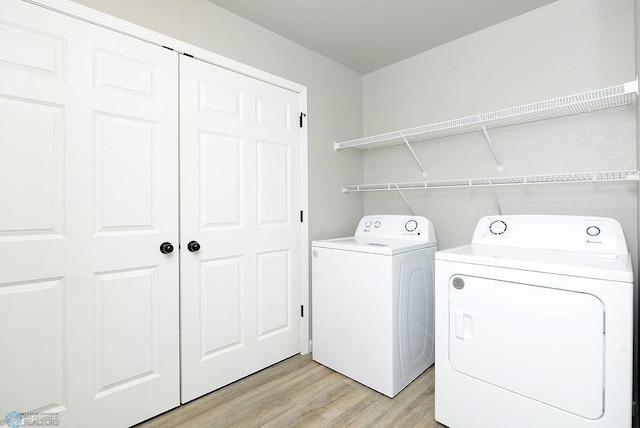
column 396, row 227
column 553, row 232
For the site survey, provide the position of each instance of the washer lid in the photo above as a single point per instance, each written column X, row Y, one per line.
column 387, row 247
column 612, row 267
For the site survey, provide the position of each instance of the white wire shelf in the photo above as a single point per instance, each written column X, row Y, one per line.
column 600, row 99
column 579, row 177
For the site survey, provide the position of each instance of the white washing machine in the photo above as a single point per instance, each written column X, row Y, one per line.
column 534, row 324
column 372, row 301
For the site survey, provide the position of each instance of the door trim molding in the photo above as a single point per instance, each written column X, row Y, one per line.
column 104, row 20
column 116, row 24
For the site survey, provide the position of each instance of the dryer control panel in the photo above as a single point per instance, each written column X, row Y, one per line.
column 553, row 232
column 412, row 228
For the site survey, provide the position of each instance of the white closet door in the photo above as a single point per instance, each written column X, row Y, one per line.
column 240, row 200
column 88, row 185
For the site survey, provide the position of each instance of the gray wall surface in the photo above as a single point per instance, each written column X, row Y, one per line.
column 334, row 96
column 567, row 47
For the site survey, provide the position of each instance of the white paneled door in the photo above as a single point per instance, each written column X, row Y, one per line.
column 88, row 193
column 101, row 323
column 240, row 202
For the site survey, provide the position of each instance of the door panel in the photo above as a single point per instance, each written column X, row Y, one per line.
column 239, row 198
column 124, row 153
column 273, row 180
column 222, row 181
column 38, row 382
column 32, row 196
column 544, row 343
column 88, row 174
column 117, row 72
column 274, row 291
column 31, row 50
column 124, row 309
column 221, row 291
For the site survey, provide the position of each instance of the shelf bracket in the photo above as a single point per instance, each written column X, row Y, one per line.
column 631, row 87
column 404, row 199
column 495, row 200
column 424, row 172
column 486, row 136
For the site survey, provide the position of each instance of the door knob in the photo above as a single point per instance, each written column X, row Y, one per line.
column 193, row 246
column 166, row 248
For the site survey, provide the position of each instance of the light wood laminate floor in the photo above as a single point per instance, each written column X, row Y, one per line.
column 298, row 392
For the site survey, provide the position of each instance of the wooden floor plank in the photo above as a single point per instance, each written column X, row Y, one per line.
column 299, row 392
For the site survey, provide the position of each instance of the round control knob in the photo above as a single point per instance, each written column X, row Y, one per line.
column 498, row 227
column 367, row 224
column 411, row 225
column 193, row 246
column 376, row 224
column 593, row 231
column 166, row 248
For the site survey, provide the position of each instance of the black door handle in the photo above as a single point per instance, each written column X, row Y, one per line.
column 193, row 246
column 166, row 248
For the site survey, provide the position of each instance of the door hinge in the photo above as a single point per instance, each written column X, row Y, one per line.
column 301, row 311
column 301, row 216
column 301, row 116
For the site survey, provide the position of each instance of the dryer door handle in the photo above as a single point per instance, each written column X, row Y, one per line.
column 460, row 323
column 464, row 325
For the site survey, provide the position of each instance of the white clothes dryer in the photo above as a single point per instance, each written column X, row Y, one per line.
column 372, row 301
column 534, row 325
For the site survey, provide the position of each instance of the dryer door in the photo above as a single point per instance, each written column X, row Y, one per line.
column 543, row 343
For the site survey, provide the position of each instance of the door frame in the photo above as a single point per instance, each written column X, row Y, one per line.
column 133, row 30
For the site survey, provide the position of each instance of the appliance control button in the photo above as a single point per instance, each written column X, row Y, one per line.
column 498, row 227
column 593, row 231
column 368, row 224
column 376, row 224
column 411, row 225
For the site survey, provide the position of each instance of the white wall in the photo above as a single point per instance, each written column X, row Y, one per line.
column 567, row 47
column 334, row 92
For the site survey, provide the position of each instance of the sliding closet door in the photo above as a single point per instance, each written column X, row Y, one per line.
column 240, row 201
column 88, row 192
